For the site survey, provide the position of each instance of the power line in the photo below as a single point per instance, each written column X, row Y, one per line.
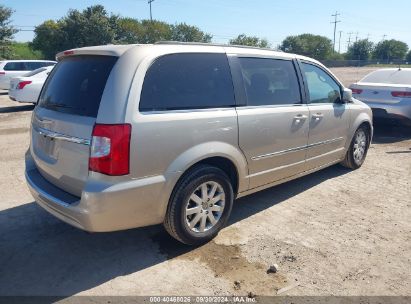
column 335, row 26
column 151, row 15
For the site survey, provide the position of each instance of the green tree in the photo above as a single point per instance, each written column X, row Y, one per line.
column 49, row 39
column 337, row 56
column 318, row 47
column 360, row 50
column 92, row 26
column 22, row 50
column 128, row 30
column 7, row 31
column 390, row 49
column 250, row 41
column 154, row 31
column 188, row 33
column 408, row 57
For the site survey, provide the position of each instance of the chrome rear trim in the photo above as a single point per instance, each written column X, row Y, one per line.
column 60, row 136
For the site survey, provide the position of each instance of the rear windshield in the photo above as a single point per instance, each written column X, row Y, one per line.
column 76, row 84
column 389, row 76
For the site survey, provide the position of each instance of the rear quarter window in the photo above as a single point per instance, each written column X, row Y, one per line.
column 187, row 81
column 76, row 85
column 30, row 66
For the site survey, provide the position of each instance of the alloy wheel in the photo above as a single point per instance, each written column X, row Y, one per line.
column 360, row 143
column 205, row 206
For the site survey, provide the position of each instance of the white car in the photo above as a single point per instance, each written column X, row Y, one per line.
column 14, row 68
column 387, row 92
column 27, row 88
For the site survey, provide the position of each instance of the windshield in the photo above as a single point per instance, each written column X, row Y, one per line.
column 390, row 76
column 76, row 85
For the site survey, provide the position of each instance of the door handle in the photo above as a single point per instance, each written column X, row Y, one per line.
column 298, row 118
column 317, row 116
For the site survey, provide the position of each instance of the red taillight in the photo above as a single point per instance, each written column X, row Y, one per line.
column 2, row 73
column 22, row 84
column 110, row 149
column 401, row 94
column 356, row 91
column 66, row 53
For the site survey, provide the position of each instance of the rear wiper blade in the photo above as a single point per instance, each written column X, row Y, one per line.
column 59, row 105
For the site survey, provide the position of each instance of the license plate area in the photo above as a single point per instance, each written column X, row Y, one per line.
column 45, row 146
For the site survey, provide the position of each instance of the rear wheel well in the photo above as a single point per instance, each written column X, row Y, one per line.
column 224, row 164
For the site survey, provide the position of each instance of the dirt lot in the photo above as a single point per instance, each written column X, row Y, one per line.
column 351, row 75
column 335, row 232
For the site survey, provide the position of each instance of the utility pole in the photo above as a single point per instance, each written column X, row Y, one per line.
column 339, row 43
column 335, row 26
column 151, row 15
column 349, row 39
column 356, row 37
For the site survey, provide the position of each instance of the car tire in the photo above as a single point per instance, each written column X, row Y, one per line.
column 195, row 213
column 358, row 149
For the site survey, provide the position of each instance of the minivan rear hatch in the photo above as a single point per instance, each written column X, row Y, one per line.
column 63, row 121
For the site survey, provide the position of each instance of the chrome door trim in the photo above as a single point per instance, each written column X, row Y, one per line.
column 60, row 136
column 329, row 141
column 279, row 153
column 282, row 152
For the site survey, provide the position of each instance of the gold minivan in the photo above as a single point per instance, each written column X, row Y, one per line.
column 125, row 136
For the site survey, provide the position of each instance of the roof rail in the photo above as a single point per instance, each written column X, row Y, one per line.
column 214, row 44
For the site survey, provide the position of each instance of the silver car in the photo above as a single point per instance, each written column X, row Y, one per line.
column 136, row 135
column 387, row 92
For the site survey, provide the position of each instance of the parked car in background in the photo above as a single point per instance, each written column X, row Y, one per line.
column 126, row 136
column 13, row 68
column 387, row 92
column 27, row 88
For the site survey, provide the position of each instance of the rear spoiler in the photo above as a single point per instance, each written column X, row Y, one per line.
column 68, row 53
column 104, row 50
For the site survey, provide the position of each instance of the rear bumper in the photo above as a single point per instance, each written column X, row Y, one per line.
column 101, row 207
column 21, row 96
column 398, row 111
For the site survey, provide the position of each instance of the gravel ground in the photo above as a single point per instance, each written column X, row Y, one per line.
column 335, row 232
column 350, row 75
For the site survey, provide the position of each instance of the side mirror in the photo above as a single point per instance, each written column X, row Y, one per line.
column 347, row 95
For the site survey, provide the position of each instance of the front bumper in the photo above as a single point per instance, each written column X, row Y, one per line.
column 4, row 84
column 12, row 95
column 101, row 207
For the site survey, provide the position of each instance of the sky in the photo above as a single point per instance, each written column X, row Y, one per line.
column 225, row 19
